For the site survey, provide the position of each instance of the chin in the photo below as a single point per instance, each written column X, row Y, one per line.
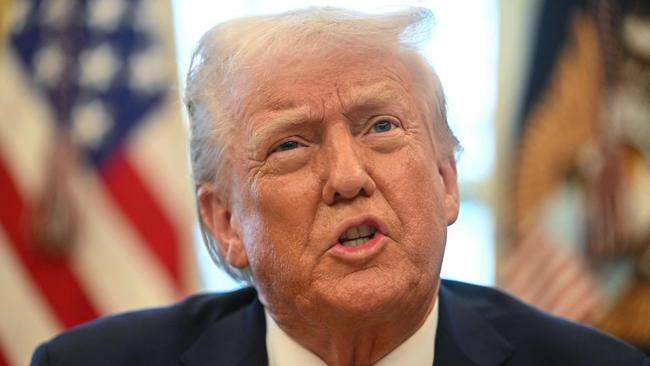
column 362, row 297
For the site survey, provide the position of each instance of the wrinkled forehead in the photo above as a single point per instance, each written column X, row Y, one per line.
column 346, row 78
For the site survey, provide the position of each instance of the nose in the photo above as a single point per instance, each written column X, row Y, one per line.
column 346, row 174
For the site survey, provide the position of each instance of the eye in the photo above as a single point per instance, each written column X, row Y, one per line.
column 383, row 125
column 285, row 146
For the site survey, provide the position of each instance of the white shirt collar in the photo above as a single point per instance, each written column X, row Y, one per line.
column 417, row 350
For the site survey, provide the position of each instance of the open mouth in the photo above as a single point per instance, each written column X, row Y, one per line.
column 357, row 235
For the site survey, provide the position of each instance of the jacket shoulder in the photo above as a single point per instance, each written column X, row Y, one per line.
column 153, row 336
column 540, row 338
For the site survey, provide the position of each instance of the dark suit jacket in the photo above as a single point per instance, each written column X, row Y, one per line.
column 477, row 326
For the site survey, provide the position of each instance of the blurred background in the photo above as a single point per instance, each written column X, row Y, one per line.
column 550, row 100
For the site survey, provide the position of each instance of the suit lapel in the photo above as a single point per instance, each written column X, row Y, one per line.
column 237, row 339
column 464, row 337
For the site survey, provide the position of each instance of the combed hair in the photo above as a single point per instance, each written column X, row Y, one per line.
column 230, row 51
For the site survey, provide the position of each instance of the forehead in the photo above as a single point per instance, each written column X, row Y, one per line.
column 309, row 81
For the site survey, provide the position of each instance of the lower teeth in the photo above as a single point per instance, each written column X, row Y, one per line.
column 355, row 242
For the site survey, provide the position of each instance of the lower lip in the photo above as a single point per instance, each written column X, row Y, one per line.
column 359, row 253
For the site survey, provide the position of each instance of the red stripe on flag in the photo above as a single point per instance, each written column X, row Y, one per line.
column 139, row 205
column 53, row 276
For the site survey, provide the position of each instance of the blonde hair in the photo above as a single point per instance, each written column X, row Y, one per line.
column 233, row 49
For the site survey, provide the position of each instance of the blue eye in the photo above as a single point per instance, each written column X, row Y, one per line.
column 382, row 126
column 287, row 145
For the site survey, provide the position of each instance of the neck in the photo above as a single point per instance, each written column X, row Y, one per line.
column 356, row 342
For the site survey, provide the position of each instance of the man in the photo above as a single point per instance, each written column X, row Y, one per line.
column 326, row 178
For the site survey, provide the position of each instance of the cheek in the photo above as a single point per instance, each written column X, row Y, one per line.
column 413, row 189
column 412, row 183
column 287, row 201
column 279, row 216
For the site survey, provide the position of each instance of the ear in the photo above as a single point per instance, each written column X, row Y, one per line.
column 447, row 171
column 225, row 228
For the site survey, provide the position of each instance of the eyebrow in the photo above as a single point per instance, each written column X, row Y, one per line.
column 368, row 100
column 361, row 101
column 282, row 119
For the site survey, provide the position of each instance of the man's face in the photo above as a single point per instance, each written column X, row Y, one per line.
column 330, row 151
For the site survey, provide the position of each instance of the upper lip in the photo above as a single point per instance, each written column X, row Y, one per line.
column 357, row 221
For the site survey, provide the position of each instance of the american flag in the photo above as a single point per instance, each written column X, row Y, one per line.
column 95, row 193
